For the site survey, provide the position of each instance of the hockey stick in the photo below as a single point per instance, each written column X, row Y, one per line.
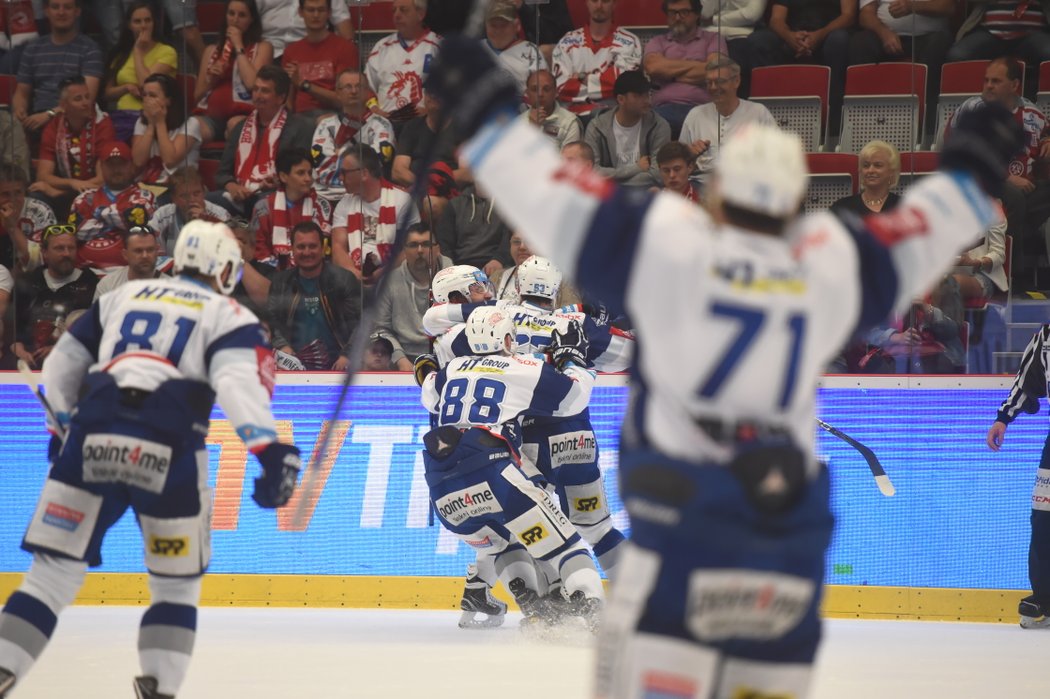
column 32, row 385
column 367, row 322
column 881, row 479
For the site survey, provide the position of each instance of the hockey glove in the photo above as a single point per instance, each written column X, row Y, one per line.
column 469, row 84
column 280, row 464
column 424, row 365
column 983, row 143
column 597, row 311
column 569, row 346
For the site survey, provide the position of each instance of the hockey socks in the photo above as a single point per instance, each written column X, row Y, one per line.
column 167, row 632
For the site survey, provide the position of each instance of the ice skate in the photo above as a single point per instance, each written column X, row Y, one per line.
column 7, row 681
column 146, row 688
column 539, row 613
column 478, row 600
column 589, row 609
column 1033, row 614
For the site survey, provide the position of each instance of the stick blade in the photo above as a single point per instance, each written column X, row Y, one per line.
column 885, row 486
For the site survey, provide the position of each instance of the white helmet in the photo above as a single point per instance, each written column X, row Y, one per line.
column 537, row 276
column 763, row 169
column 456, row 278
column 486, row 329
column 209, row 249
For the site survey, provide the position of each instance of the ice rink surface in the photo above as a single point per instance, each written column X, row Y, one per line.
column 379, row 654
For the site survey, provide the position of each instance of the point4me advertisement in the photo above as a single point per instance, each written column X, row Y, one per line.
column 959, row 518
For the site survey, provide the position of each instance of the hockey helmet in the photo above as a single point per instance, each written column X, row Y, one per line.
column 763, row 169
column 537, row 276
column 461, row 278
column 209, row 249
column 487, row 328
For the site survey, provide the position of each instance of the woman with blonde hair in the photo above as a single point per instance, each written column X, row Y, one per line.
column 879, row 169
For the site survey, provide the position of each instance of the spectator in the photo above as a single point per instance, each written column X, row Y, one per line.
column 22, row 220
column 1026, row 197
column 544, row 111
column 313, row 307
column 379, row 354
column 45, row 297
column 503, row 39
column 48, row 60
column 140, row 252
column 399, row 313
column 809, row 31
column 677, row 62
column 136, row 56
column 675, row 162
column 254, row 287
column 879, row 170
column 356, row 124
column 588, row 60
column 1009, row 27
column 578, row 153
column 187, row 204
column 182, row 18
column 979, row 273
column 909, row 30
column 14, row 147
column 248, row 162
column 164, row 139
column 102, row 215
column 365, row 220
column 17, row 28
column 314, row 61
column 626, row 139
column 734, row 21
column 415, row 142
column 709, row 125
column 546, row 25
column 472, row 233
column 293, row 202
column 228, row 70
column 399, row 63
column 282, row 24
column 7, row 287
column 505, row 280
column 69, row 147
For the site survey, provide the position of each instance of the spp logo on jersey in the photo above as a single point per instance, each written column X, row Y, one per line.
column 573, row 448
column 461, row 505
column 174, row 546
column 115, row 458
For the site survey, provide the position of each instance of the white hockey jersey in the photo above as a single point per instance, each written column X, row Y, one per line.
column 149, row 331
column 520, row 59
column 732, row 326
column 396, row 70
column 497, row 389
column 585, row 70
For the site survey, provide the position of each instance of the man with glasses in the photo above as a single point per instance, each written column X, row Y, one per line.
column 708, row 126
column 676, row 62
column 355, row 124
column 46, row 296
column 399, row 315
column 140, row 251
column 314, row 61
column 365, row 220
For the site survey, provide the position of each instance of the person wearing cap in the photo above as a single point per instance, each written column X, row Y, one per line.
column 625, row 139
column 102, row 215
column 141, row 252
column 69, row 147
column 676, row 62
column 378, row 353
column 708, row 126
column 503, row 40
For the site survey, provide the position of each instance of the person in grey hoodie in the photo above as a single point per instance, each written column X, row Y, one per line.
column 472, row 233
column 625, row 139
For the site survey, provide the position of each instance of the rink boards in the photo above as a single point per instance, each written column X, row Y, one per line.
column 952, row 543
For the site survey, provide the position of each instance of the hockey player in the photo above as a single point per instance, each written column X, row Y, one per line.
column 131, row 386
column 476, row 487
column 718, row 589
column 1029, row 386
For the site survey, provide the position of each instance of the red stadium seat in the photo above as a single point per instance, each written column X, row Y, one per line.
column 1042, row 99
column 631, row 13
column 913, row 166
column 210, row 16
column 207, row 168
column 797, row 96
column 831, row 177
column 883, row 101
column 7, row 89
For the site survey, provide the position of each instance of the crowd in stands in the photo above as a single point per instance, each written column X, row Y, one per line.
column 306, row 139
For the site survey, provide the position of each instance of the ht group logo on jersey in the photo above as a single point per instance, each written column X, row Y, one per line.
column 724, row 604
column 115, row 458
column 573, row 448
column 461, row 505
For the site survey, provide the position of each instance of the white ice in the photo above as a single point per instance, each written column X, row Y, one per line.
column 380, row 654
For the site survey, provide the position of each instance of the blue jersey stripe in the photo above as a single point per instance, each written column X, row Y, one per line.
column 88, row 330
column 878, row 275
column 250, row 336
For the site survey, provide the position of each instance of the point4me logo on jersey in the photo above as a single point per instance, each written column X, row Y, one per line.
column 724, row 604
column 573, row 448
column 116, row 458
column 461, row 505
column 62, row 517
